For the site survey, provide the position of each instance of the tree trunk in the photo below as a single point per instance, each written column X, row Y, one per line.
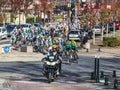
column 44, row 15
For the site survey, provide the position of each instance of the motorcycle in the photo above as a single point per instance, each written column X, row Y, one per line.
column 51, row 68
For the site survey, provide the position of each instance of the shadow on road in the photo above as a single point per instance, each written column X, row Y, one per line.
column 77, row 73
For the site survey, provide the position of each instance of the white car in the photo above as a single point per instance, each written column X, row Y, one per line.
column 98, row 29
column 74, row 35
column 3, row 33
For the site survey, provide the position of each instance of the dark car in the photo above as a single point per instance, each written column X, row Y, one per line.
column 10, row 28
column 4, row 24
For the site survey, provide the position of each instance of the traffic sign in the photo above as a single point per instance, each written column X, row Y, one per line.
column 6, row 49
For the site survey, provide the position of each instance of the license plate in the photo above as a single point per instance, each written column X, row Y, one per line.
column 97, row 30
column 73, row 36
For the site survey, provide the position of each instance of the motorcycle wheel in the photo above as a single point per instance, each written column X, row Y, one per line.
column 49, row 78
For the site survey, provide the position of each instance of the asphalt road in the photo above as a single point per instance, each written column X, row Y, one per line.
column 25, row 74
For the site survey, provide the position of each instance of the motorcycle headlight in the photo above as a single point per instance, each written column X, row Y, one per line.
column 50, row 63
column 47, row 63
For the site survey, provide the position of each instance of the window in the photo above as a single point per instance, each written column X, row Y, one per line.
column 3, row 30
column 73, row 32
column 36, row 25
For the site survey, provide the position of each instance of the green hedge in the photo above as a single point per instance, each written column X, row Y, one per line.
column 59, row 16
column 111, row 41
column 31, row 19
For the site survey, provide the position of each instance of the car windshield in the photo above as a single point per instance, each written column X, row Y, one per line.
column 73, row 32
column 24, row 25
column 97, row 26
column 36, row 25
column 82, row 30
column 110, row 24
column 11, row 26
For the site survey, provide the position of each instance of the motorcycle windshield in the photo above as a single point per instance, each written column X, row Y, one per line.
column 51, row 58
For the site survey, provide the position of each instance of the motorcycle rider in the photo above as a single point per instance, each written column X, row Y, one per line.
column 52, row 51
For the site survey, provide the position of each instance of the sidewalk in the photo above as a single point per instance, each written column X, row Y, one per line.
column 20, row 56
column 23, row 56
column 104, row 52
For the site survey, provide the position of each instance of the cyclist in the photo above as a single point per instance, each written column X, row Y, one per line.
column 66, row 46
column 74, row 48
column 74, row 45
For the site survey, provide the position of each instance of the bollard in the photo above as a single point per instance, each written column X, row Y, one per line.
column 92, row 76
column 95, row 67
column 97, row 76
column 99, row 50
column 106, row 81
column 102, row 74
column 87, row 50
column 114, row 73
column 115, row 84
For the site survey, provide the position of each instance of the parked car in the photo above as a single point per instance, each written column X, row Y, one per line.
column 117, row 24
column 3, row 33
column 98, row 29
column 10, row 28
column 37, row 25
column 74, row 35
column 6, row 24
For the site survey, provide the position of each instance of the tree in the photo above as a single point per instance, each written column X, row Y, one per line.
column 18, row 6
column 3, row 9
column 46, row 7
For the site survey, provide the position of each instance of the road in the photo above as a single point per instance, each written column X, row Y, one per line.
column 74, row 77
